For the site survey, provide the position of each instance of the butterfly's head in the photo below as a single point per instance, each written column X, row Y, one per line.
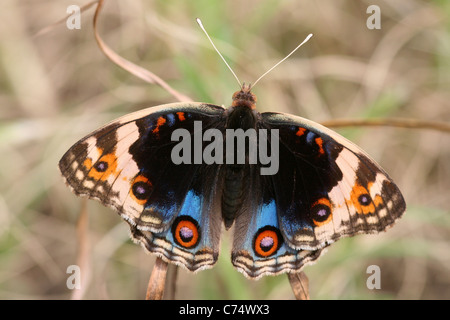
column 244, row 97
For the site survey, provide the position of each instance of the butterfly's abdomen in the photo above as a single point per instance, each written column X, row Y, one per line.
column 236, row 176
column 233, row 193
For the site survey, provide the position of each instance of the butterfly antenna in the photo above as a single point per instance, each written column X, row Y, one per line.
column 304, row 41
column 209, row 38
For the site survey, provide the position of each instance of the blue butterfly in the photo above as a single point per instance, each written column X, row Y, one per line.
column 324, row 187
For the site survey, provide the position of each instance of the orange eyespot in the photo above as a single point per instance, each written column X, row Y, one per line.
column 267, row 241
column 321, row 212
column 141, row 189
column 103, row 168
column 361, row 200
column 186, row 232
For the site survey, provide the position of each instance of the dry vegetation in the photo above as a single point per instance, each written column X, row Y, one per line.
column 57, row 87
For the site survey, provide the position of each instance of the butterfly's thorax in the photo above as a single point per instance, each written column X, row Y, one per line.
column 241, row 115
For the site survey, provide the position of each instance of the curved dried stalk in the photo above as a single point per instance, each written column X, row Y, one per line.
column 171, row 281
column 157, row 282
column 132, row 68
column 299, row 284
column 83, row 250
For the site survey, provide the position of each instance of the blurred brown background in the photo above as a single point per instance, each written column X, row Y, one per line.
column 58, row 86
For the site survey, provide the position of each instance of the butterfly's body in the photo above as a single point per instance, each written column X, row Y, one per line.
column 240, row 115
column 323, row 188
column 235, row 184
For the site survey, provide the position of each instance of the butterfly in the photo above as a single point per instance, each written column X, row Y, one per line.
column 165, row 170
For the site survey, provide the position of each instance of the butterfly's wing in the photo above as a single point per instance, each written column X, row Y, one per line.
column 259, row 248
column 192, row 241
column 337, row 190
column 128, row 165
column 325, row 188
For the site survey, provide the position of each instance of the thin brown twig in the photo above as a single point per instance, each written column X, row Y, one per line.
column 127, row 65
column 172, row 275
column 390, row 122
column 83, row 250
column 299, row 284
column 156, row 284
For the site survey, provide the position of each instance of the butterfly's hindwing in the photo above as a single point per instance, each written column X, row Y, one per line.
column 193, row 239
column 259, row 248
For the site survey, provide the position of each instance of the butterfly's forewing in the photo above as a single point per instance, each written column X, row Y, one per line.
column 128, row 165
column 327, row 187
